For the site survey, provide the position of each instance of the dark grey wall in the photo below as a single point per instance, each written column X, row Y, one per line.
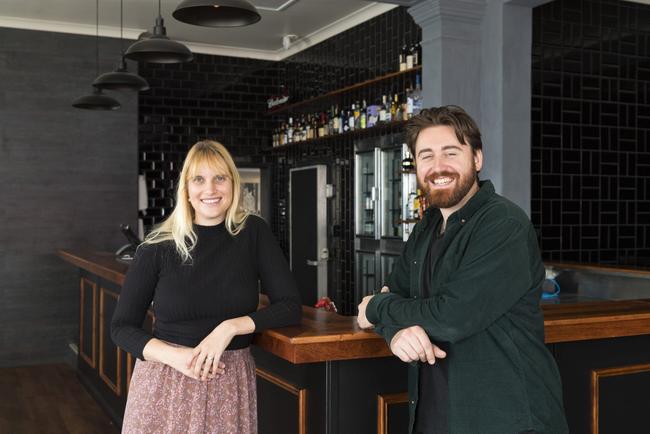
column 68, row 178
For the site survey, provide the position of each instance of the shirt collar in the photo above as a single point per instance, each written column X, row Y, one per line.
column 485, row 192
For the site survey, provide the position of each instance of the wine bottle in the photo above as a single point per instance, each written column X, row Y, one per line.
column 290, row 130
column 402, row 58
column 382, row 109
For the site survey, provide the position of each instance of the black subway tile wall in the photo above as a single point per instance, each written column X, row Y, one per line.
column 213, row 97
column 591, row 131
column 225, row 99
column 363, row 52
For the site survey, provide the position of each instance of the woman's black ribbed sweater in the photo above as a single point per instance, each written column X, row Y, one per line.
column 220, row 282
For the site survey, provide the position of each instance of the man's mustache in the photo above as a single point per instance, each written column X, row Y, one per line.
column 430, row 177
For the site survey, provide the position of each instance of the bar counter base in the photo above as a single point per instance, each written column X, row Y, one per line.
column 331, row 397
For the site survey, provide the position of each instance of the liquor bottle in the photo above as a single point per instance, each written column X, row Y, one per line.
column 321, row 125
column 409, row 57
column 411, row 206
column 363, row 116
column 382, row 109
column 402, row 58
column 297, row 131
column 346, row 120
column 343, row 121
column 356, row 108
column 415, row 212
column 416, row 96
column 290, row 130
column 372, row 116
column 407, row 161
column 284, row 139
column 308, row 131
column 394, row 108
column 422, row 203
column 351, row 119
column 408, row 106
column 336, row 120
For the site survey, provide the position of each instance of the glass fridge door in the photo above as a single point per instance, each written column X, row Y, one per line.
column 366, row 193
column 391, row 192
column 387, row 263
column 366, row 274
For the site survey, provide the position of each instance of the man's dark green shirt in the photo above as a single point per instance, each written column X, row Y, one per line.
column 484, row 302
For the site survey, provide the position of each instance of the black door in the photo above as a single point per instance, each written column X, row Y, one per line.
column 308, row 211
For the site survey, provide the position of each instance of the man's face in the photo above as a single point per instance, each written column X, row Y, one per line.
column 446, row 169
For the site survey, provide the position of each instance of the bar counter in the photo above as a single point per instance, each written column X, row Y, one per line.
column 330, row 376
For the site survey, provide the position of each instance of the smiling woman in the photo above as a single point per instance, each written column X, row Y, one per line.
column 201, row 268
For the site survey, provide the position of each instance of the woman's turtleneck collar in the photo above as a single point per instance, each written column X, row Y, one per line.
column 208, row 231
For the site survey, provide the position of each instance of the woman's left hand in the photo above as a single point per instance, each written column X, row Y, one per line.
column 206, row 356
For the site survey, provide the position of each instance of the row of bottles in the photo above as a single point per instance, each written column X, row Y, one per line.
column 416, row 205
column 410, row 56
column 358, row 116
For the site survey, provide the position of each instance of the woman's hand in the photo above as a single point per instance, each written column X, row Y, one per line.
column 206, row 357
column 180, row 357
column 173, row 356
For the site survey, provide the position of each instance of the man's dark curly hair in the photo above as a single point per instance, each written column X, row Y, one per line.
column 450, row 115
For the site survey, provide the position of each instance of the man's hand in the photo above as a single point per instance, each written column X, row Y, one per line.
column 412, row 344
column 361, row 318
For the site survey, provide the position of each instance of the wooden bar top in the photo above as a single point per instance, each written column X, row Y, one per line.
column 325, row 336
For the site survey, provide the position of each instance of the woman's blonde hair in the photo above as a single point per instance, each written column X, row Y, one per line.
column 178, row 226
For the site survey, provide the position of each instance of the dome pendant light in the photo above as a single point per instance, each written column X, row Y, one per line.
column 121, row 78
column 97, row 100
column 158, row 48
column 217, row 13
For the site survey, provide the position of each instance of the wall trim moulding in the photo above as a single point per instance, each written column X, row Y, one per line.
column 359, row 16
column 70, row 28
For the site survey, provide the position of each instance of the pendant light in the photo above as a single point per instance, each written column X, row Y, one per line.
column 217, row 13
column 158, row 48
column 121, row 78
column 97, row 100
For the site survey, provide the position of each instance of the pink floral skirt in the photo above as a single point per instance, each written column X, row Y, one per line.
column 162, row 400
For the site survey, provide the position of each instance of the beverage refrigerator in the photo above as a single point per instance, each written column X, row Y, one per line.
column 385, row 208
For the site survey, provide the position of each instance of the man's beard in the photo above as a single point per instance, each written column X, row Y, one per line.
column 449, row 198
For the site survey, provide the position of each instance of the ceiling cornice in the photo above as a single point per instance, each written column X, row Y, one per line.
column 359, row 16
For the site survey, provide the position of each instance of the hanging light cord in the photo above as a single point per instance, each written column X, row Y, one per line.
column 122, row 27
column 96, row 38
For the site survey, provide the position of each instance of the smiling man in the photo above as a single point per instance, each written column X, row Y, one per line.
column 462, row 303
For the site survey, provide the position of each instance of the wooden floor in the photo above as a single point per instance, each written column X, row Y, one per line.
column 48, row 399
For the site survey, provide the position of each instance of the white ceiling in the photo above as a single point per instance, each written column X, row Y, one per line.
column 310, row 20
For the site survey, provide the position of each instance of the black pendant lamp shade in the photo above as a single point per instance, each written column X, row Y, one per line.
column 121, row 79
column 158, row 48
column 96, row 101
column 217, row 13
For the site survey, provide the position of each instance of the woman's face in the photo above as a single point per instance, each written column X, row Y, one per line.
column 210, row 193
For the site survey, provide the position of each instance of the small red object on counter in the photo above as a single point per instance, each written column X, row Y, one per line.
column 327, row 304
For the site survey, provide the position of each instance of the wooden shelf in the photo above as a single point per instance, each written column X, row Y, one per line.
column 288, row 107
column 379, row 128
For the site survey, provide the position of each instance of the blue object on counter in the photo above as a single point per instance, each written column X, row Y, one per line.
column 556, row 291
